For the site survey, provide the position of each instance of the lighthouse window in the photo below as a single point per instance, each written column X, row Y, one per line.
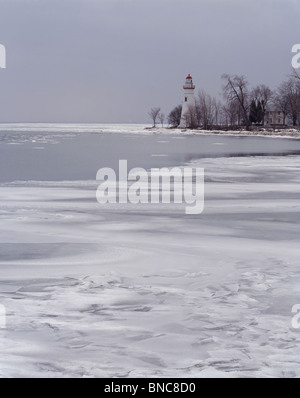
column 185, row 99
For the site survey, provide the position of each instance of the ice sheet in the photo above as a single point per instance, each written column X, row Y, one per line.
column 146, row 290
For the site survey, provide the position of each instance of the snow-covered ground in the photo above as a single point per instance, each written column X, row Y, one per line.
column 146, row 290
column 63, row 128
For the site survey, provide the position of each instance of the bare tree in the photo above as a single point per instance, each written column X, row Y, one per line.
column 161, row 118
column 295, row 74
column 230, row 113
column 236, row 90
column 175, row 116
column 154, row 112
column 206, row 109
column 217, row 110
column 294, row 101
column 191, row 117
column 281, row 101
column 287, row 99
column 296, row 93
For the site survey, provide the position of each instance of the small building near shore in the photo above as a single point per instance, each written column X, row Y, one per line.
column 275, row 117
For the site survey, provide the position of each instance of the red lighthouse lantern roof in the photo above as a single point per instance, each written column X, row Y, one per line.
column 188, row 76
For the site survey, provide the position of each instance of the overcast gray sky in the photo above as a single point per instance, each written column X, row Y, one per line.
column 111, row 60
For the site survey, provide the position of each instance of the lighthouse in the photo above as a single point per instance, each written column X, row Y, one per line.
column 188, row 106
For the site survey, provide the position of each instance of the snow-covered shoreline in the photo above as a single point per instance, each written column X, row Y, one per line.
column 289, row 133
column 137, row 129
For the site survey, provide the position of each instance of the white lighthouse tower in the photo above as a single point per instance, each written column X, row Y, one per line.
column 188, row 105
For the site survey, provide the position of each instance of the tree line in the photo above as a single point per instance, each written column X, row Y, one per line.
column 242, row 106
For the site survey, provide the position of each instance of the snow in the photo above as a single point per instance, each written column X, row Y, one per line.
column 46, row 130
column 144, row 290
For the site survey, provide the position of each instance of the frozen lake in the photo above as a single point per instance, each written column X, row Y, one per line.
column 76, row 152
column 146, row 290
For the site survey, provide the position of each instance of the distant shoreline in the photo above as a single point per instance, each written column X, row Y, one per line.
column 288, row 133
column 139, row 128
